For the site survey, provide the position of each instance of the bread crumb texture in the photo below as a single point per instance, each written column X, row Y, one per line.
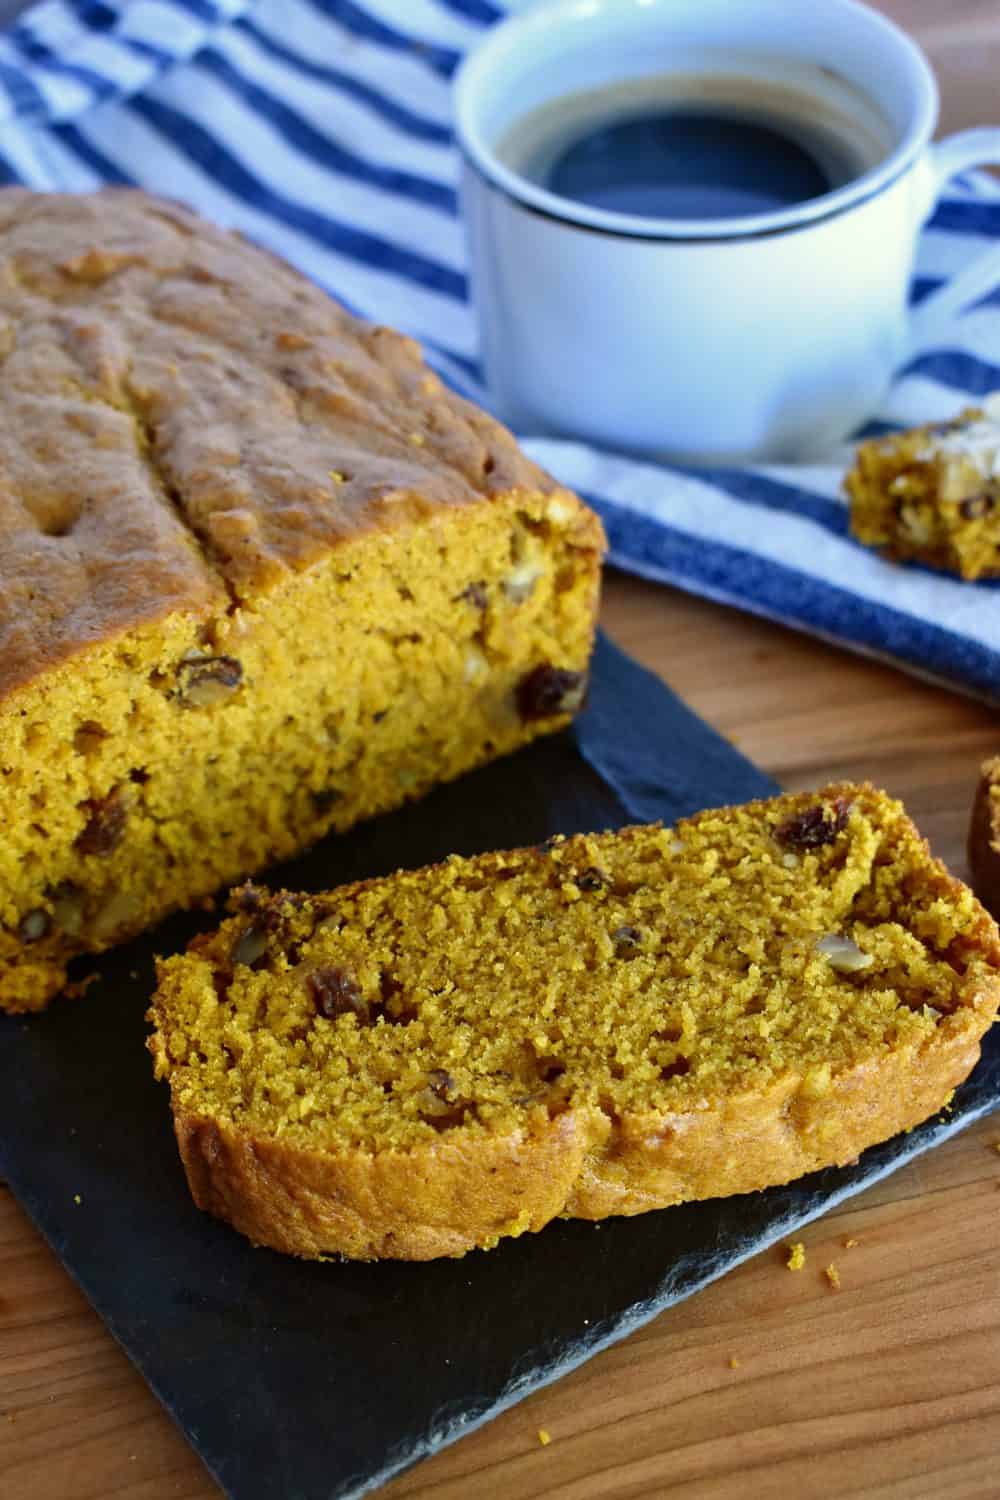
column 544, row 1436
column 932, row 494
column 796, row 1257
column 833, row 1277
column 605, row 1024
column 239, row 605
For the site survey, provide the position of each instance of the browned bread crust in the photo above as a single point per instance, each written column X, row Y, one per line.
column 185, row 419
column 449, row 1197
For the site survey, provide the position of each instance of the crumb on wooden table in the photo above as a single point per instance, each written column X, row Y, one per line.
column 833, row 1277
column 796, row 1256
column 850, row 1243
column 734, row 1363
column 544, row 1436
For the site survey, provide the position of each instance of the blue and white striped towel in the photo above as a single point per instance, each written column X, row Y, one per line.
column 321, row 128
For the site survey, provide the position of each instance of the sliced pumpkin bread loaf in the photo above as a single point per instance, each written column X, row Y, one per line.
column 417, row 1065
column 262, row 574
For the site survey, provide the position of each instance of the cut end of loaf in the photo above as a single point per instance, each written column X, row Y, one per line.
column 193, row 752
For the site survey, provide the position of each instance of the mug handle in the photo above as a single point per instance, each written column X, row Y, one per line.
column 969, row 148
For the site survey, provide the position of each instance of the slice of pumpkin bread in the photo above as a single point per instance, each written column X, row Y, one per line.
column 932, row 494
column 417, row 1065
column 262, row 575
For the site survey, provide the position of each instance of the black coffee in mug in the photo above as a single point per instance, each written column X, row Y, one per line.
column 690, row 147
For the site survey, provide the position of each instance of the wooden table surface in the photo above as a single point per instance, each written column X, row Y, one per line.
column 890, row 1386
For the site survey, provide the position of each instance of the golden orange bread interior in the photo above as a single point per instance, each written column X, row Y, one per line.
column 422, row 1064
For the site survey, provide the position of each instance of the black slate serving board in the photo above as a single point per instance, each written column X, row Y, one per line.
column 317, row 1382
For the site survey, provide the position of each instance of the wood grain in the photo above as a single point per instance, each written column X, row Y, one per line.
column 888, row 1388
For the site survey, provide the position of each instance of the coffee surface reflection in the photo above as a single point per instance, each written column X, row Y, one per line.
column 689, row 147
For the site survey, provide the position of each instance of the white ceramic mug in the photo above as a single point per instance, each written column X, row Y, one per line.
column 769, row 336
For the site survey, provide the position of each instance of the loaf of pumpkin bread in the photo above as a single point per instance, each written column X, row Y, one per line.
column 262, row 575
column 421, row 1064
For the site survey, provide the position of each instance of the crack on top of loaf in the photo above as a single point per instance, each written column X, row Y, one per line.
column 163, row 210
column 8, row 340
column 377, row 422
column 133, row 405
